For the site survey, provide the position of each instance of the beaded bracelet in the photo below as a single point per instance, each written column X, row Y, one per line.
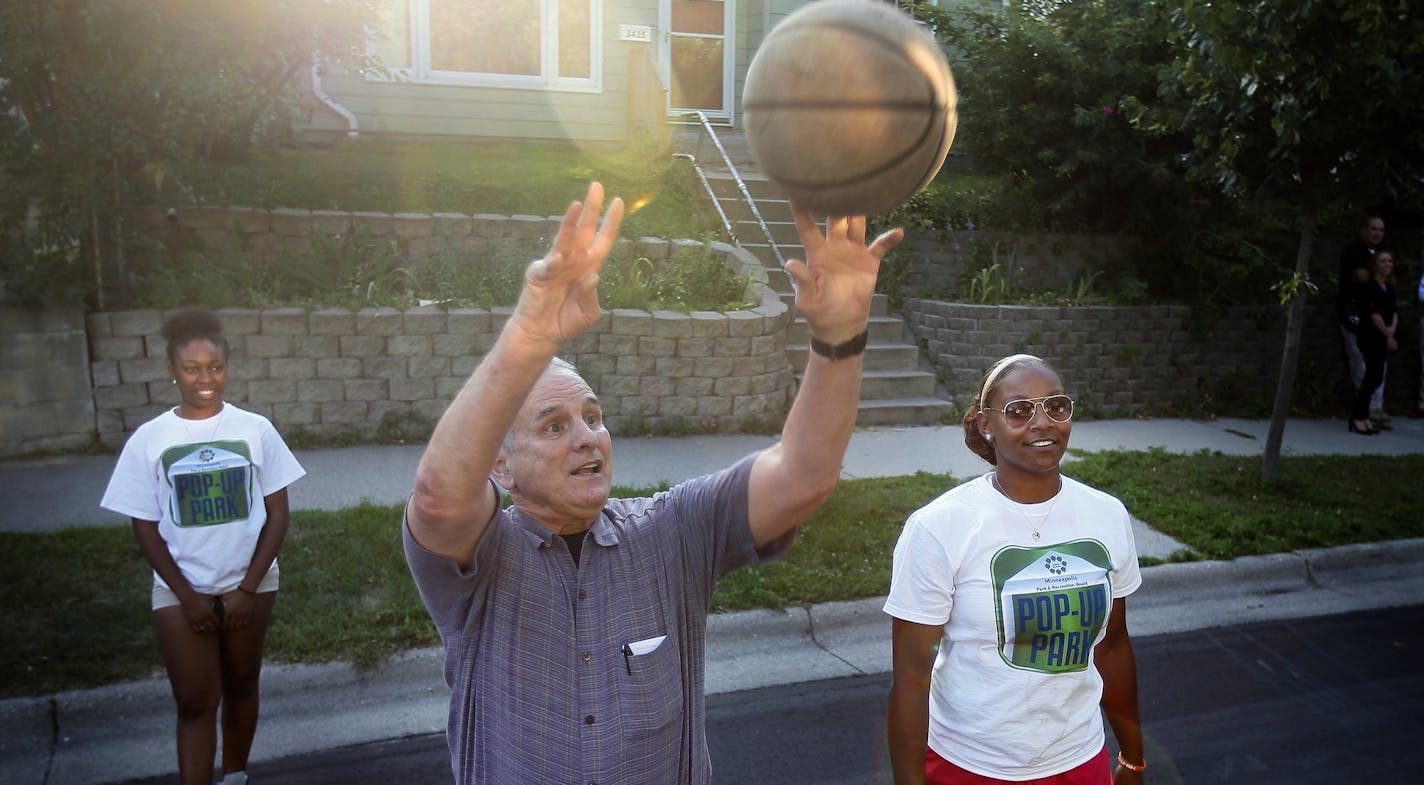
column 1139, row 768
column 244, row 590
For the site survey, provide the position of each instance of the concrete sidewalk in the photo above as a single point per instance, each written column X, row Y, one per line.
column 125, row 731
column 52, row 493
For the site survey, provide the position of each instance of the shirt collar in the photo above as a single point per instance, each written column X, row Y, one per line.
column 541, row 536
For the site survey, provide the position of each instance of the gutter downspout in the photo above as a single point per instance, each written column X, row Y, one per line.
column 325, row 98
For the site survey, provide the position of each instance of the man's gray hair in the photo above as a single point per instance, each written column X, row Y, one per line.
column 558, row 363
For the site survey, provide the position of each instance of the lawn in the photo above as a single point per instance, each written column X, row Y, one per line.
column 76, row 602
column 499, row 177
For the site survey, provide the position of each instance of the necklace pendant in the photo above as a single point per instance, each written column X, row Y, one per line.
column 1035, row 536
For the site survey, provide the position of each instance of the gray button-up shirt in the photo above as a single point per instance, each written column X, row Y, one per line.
column 571, row 676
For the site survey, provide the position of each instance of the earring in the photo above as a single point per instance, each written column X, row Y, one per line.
column 988, row 437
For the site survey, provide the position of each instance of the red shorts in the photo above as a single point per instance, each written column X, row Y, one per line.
column 939, row 771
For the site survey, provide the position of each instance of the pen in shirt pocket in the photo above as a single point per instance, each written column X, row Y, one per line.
column 639, row 648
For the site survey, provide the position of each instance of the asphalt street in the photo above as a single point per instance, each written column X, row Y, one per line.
column 1325, row 700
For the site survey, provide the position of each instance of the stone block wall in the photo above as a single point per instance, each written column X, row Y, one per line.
column 332, row 372
column 1122, row 361
column 45, row 399
column 936, row 261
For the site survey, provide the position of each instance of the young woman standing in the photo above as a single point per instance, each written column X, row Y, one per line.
column 205, row 484
column 1380, row 319
column 1010, row 619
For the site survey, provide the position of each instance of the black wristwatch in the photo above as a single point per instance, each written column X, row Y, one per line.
column 841, row 351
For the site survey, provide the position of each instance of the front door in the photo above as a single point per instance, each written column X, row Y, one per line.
column 697, row 47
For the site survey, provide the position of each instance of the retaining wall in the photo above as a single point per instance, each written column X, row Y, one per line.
column 45, row 399
column 334, row 372
column 938, row 261
column 1122, row 361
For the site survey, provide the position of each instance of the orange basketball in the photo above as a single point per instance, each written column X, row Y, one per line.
column 849, row 106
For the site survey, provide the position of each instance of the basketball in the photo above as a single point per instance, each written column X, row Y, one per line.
column 849, row 106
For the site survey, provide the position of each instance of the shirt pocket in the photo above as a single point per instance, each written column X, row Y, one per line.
column 650, row 688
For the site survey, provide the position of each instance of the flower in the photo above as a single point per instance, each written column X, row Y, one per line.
column 1108, row 111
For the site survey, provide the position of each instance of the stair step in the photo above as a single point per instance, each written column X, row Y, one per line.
column 737, row 210
column 782, row 232
column 903, row 411
column 883, row 330
column 893, row 383
column 724, row 185
column 763, row 252
column 896, row 383
column 878, row 356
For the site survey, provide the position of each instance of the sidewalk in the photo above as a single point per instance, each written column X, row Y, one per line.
column 124, row 731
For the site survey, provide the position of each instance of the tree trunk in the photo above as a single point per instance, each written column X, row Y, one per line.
column 1290, row 355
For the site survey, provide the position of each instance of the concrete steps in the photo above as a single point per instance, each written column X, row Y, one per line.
column 894, row 390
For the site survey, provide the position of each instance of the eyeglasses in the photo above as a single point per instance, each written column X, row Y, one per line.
column 1059, row 408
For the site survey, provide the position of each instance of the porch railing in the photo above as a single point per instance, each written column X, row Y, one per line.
column 707, row 133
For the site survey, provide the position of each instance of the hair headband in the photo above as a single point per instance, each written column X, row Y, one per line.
column 998, row 369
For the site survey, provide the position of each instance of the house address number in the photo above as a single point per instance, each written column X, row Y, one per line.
column 642, row 33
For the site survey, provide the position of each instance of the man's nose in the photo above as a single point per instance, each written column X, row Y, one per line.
column 584, row 434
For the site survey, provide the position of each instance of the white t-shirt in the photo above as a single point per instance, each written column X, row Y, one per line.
column 1014, row 693
column 204, row 481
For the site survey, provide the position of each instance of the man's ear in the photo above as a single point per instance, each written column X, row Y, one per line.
column 500, row 473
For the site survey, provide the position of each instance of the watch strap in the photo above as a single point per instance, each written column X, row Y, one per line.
column 841, row 351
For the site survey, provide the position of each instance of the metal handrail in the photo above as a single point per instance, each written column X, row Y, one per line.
column 706, row 186
column 741, row 186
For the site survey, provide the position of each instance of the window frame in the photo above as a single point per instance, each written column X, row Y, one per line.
column 419, row 71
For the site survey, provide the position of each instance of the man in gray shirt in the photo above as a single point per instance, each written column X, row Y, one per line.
column 574, row 624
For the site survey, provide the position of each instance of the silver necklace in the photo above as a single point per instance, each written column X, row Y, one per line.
column 1034, row 527
column 216, row 424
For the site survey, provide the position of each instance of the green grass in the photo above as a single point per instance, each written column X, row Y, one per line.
column 1220, row 507
column 76, row 612
column 499, row 177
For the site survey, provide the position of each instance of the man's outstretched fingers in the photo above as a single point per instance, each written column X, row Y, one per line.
column 811, row 237
column 885, row 242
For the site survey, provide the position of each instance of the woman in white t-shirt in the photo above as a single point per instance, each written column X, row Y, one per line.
column 1009, row 614
column 206, row 486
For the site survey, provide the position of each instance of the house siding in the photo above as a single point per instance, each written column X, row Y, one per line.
column 413, row 108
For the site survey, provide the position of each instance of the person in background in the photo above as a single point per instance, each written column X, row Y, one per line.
column 1008, row 597
column 1419, row 399
column 1375, row 337
column 574, row 624
column 1355, row 273
column 206, row 486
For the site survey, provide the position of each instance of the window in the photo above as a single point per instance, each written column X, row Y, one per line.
column 494, row 43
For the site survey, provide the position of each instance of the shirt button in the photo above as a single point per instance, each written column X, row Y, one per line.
column 588, row 720
column 583, row 595
column 587, row 656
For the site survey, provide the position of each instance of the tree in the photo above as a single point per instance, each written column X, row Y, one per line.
column 1296, row 106
column 1043, row 82
column 109, row 102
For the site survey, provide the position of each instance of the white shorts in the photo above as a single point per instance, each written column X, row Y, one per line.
column 163, row 597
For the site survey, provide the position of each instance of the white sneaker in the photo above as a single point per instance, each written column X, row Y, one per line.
column 234, row 778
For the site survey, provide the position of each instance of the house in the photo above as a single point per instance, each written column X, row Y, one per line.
column 587, row 70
